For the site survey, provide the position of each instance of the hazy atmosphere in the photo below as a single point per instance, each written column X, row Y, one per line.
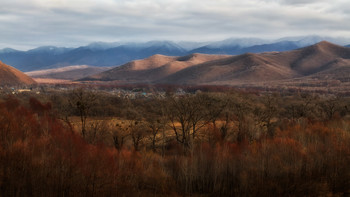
column 70, row 23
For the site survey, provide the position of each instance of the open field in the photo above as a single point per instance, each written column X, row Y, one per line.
column 52, row 81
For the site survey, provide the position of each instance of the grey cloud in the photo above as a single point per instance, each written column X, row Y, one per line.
column 74, row 22
column 300, row 1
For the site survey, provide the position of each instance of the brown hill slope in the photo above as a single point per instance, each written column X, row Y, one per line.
column 12, row 77
column 312, row 59
column 324, row 57
column 152, row 68
column 319, row 60
column 242, row 68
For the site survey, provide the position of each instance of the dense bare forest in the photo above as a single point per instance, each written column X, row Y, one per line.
column 92, row 143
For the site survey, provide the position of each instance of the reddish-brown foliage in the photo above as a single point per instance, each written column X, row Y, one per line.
column 39, row 156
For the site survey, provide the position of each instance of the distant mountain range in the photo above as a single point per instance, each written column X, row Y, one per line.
column 322, row 60
column 114, row 54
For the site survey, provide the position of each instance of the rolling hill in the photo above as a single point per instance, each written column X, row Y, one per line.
column 153, row 68
column 236, row 69
column 68, row 72
column 10, row 76
column 114, row 54
column 321, row 59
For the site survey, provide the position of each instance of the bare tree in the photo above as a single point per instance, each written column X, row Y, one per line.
column 267, row 112
column 137, row 133
column 119, row 135
column 299, row 107
column 82, row 101
column 156, row 121
column 135, row 126
column 97, row 131
column 241, row 110
column 329, row 107
column 191, row 113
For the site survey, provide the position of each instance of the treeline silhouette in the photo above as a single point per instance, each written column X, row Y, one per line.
column 210, row 144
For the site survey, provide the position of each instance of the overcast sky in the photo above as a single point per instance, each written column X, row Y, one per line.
column 31, row 23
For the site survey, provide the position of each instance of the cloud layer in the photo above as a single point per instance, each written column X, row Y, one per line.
column 30, row 23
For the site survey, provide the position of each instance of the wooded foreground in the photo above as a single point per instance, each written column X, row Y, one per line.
column 205, row 144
